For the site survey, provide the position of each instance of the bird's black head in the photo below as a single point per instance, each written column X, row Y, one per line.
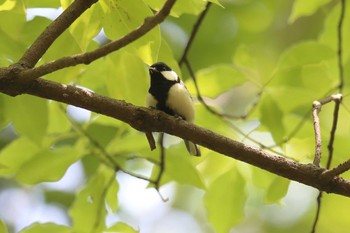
column 159, row 67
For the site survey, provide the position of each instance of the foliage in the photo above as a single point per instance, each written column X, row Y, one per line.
column 265, row 60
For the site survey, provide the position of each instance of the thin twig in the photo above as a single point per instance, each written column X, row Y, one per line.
column 318, row 211
column 151, row 141
column 317, row 105
column 341, row 168
column 318, row 150
column 88, row 57
column 333, row 130
column 161, row 166
column 340, row 47
column 209, row 108
column 108, row 160
column 194, row 32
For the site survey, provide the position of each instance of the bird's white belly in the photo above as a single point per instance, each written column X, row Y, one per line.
column 180, row 101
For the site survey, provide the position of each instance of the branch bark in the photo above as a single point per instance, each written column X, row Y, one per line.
column 148, row 120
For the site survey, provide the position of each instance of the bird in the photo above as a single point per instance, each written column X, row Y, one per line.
column 169, row 94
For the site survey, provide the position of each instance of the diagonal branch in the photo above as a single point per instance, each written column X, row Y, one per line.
column 149, row 120
column 340, row 47
column 88, row 57
column 53, row 31
column 341, row 168
column 194, row 32
column 316, row 108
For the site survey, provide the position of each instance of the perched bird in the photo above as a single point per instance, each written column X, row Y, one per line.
column 169, row 94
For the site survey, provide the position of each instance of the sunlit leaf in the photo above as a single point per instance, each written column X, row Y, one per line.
column 130, row 82
column 272, row 118
column 46, row 227
column 112, row 196
column 42, row 3
column 305, row 53
column 178, row 159
column 88, row 211
column 300, row 148
column 121, row 227
column 87, row 26
column 217, row 79
column 228, row 201
column 121, row 17
column 29, row 116
column 47, row 165
column 58, row 120
column 277, row 190
column 14, row 155
column 181, row 7
column 305, row 8
column 3, row 227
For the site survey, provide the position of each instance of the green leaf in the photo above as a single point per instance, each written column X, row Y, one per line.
column 16, row 154
column 225, row 200
column 42, row 3
column 130, row 81
column 12, row 18
column 29, row 116
column 217, row 79
column 305, row 53
column 3, row 227
column 87, row 26
column 178, row 159
column 193, row 7
column 46, row 227
column 88, row 212
column 121, row 227
column 124, row 16
column 277, row 190
column 263, row 17
column 112, row 196
column 102, row 134
column 300, row 149
column 272, row 117
column 329, row 37
column 58, row 120
column 305, row 8
column 47, row 165
column 3, row 118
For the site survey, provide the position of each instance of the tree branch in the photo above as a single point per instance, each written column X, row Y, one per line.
column 147, row 120
column 340, row 47
column 194, row 32
column 54, row 30
column 88, row 57
column 316, row 109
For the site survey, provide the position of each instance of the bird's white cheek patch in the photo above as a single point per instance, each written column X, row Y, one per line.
column 170, row 75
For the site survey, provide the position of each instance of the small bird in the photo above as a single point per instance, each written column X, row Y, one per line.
column 169, row 94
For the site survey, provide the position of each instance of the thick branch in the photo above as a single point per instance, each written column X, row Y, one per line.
column 54, row 30
column 147, row 120
column 88, row 57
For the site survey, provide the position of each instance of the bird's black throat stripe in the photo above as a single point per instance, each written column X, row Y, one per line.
column 159, row 89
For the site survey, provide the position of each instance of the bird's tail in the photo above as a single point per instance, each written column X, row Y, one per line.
column 192, row 148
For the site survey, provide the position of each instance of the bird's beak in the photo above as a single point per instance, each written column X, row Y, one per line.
column 152, row 69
